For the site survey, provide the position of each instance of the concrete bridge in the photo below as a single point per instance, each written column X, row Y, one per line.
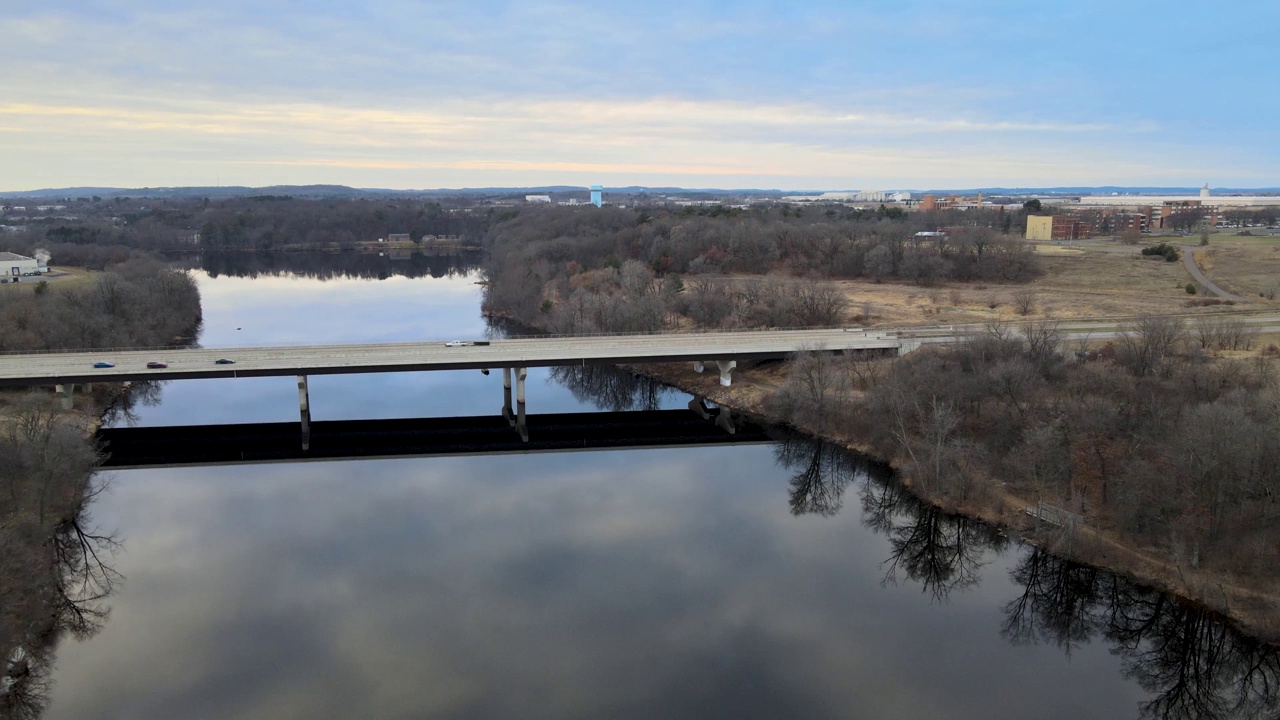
column 719, row 350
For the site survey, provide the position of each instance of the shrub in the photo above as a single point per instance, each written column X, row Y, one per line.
column 1168, row 252
column 1191, row 289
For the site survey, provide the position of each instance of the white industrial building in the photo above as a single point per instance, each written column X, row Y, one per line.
column 537, row 198
column 14, row 265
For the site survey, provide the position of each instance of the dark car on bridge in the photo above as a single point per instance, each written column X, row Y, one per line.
column 156, row 365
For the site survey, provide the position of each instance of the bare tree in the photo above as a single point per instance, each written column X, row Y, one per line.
column 1145, row 345
column 1044, row 341
column 1024, row 302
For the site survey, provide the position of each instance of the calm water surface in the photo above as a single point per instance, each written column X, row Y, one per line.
column 785, row 581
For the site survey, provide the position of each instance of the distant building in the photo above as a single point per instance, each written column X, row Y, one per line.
column 950, row 202
column 13, row 265
column 398, row 237
column 1057, row 227
column 597, row 195
column 871, row 196
column 900, row 197
column 537, row 198
column 1204, row 191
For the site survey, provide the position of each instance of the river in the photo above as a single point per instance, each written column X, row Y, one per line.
column 787, row 580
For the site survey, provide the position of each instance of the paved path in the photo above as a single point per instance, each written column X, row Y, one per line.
column 1188, row 259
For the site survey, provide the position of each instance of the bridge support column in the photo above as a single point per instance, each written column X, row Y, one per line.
column 64, row 393
column 304, row 411
column 521, row 426
column 726, row 367
column 506, row 396
column 907, row 345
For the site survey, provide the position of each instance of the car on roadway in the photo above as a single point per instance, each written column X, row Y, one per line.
column 156, row 365
column 103, row 364
column 224, row 361
column 457, row 343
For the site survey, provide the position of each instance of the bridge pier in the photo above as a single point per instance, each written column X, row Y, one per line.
column 521, row 425
column 726, row 368
column 515, row 419
column 906, row 345
column 64, row 393
column 506, row 393
column 304, row 410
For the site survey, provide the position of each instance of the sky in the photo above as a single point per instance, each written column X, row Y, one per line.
column 836, row 95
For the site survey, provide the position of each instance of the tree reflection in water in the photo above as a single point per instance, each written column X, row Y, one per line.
column 823, row 473
column 346, row 264
column 610, row 387
column 1193, row 663
column 50, row 589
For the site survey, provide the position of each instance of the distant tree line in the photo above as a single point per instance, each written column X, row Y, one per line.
column 258, row 223
column 627, row 270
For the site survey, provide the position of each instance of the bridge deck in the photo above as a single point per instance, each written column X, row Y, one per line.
column 77, row 367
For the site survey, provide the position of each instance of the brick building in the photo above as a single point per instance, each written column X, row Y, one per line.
column 1057, row 227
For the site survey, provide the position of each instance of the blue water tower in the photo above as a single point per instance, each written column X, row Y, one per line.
column 596, row 192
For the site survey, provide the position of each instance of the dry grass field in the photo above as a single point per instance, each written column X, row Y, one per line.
column 1077, row 283
column 1091, row 281
column 1245, row 268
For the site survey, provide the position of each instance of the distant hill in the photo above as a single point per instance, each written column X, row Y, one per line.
column 342, row 191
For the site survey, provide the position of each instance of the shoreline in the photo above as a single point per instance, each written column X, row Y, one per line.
column 1254, row 612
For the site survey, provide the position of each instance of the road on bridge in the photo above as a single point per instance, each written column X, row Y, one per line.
column 77, row 367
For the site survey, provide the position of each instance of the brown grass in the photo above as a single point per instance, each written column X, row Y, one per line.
column 1244, row 268
column 1078, row 283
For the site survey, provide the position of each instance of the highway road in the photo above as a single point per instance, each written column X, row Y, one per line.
column 77, row 367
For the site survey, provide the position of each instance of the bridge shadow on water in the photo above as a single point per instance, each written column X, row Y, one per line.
column 133, row 447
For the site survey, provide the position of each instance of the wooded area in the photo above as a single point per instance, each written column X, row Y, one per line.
column 1149, row 437
column 618, row 270
column 140, row 303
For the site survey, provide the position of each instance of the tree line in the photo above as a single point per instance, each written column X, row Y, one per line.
column 615, row 270
column 245, row 223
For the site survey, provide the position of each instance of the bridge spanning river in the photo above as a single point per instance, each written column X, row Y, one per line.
column 183, row 364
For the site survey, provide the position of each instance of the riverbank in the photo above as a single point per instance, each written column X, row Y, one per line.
column 1254, row 610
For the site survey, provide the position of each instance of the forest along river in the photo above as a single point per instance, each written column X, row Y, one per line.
column 784, row 580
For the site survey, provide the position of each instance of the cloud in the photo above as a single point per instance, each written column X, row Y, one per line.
column 680, row 139
column 420, row 94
